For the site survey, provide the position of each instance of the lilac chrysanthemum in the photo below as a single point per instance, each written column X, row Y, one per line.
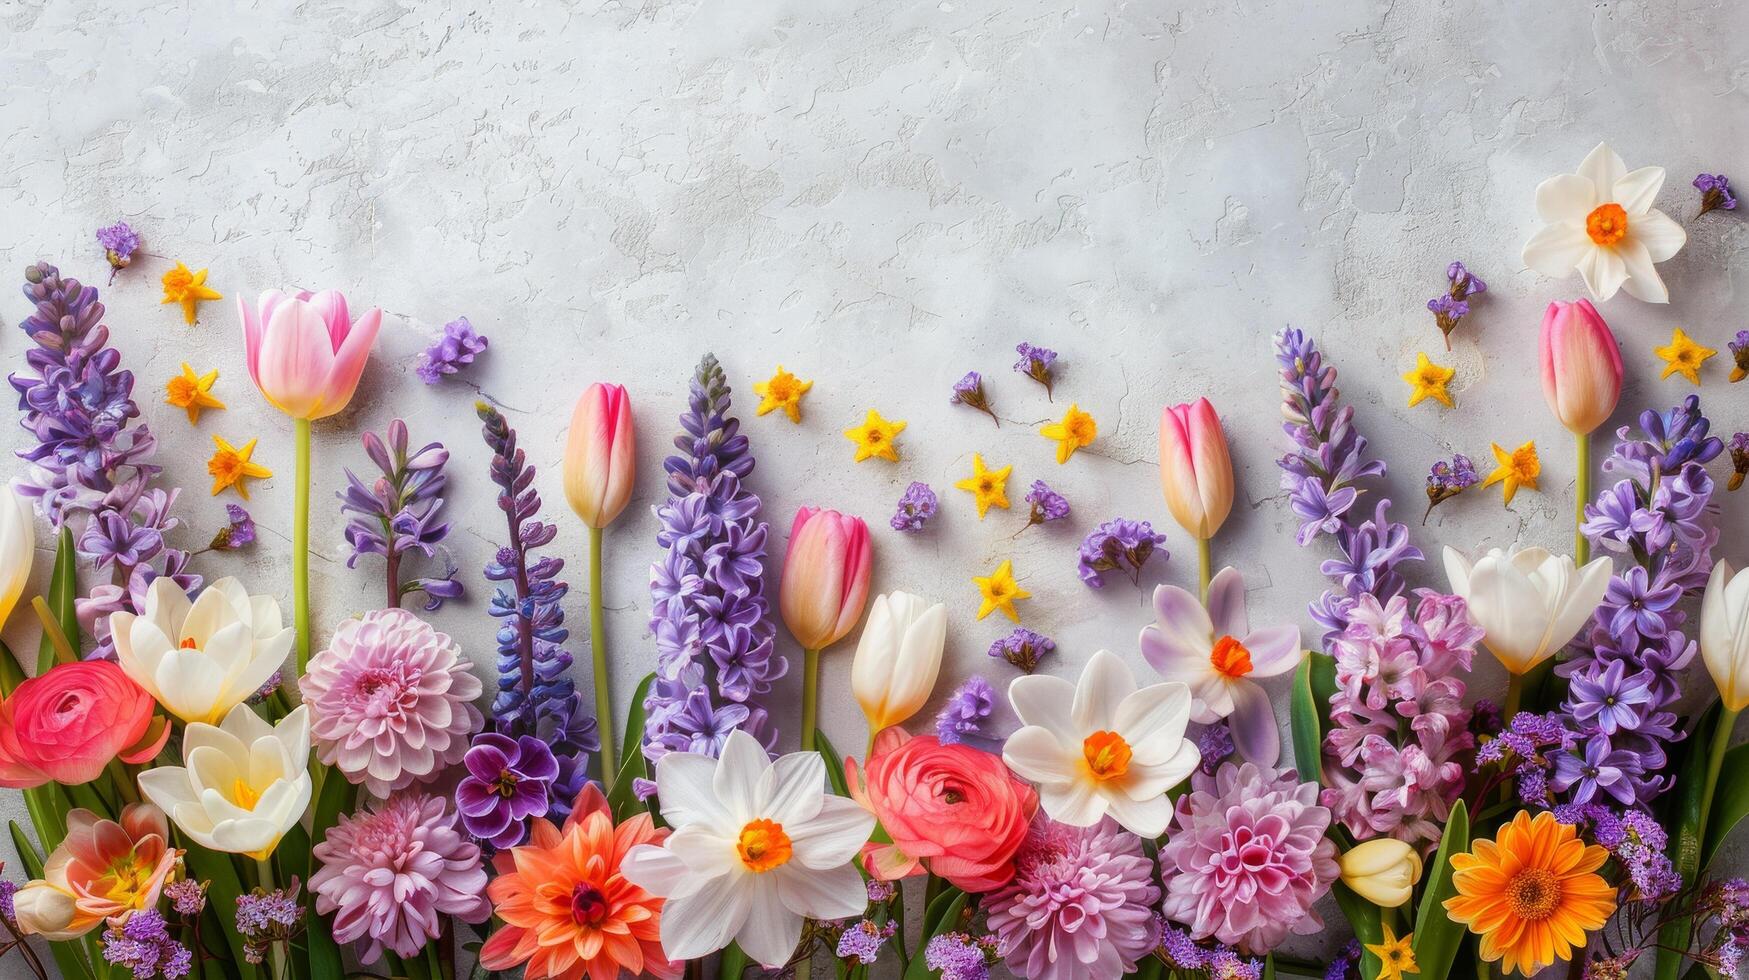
column 391, row 701
column 389, row 872
column 1246, row 859
column 1080, row 905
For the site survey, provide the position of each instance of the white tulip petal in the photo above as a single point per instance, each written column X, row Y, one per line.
column 189, row 685
column 1105, row 682
column 1636, row 190
column 293, row 732
column 833, row 836
column 211, row 612
column 1556, row 250
column 1565, row 199
column 1457, row 571
column 168, row 786
column 1043, row 700
column 167, row 606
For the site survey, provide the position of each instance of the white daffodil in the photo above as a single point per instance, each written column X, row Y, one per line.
column 200, row 659
column 1601, row 222
column 242, row 784
column 1220, row 657
column 758, row 846
column 1724, row 634
column 898, row 658
column 1528, row 602
column 17, row 548
column 1101, row 745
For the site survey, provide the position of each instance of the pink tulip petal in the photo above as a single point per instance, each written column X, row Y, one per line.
column 349, row 362
column 332, row 305
column 295, row 360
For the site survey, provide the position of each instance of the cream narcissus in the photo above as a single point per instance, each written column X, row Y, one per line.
column 1600, row 222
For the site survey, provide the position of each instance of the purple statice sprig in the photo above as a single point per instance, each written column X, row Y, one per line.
column 1739, row 446
column 861, row 941
column 267, row 917
column 961, row 956
column 969, row 391
column 1739, row 347
column 1185, row 956
column 454, row 350
column 1447, row 479
column 1118, row 545
column 1634, row 839
column 400, row 510
column 1449, row 308
column 119, row 243
column 1524, row 752
column 964, row 716
column 1715, row 193
column 1046, row 505
column 1023, row 648
column 916, row 507
column 1039, row 364
column 238, row 532
column 144, row 946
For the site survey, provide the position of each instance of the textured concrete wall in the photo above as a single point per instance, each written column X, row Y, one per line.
column 881, row 196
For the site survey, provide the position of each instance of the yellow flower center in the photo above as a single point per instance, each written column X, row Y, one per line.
column 182, row 391
column 1533, row 894
column 128, row 880
column 872, row 436
column 1107, row 755
column 781, row 388
column 225, row 465
column 1525, row 465
column 1607, row 224
column 177, row 281
column 1230, row 658
column 763, row 845
column 1081, row 428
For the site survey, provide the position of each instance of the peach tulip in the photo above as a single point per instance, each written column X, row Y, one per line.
column 1581, row 366
column 825, row 576
column 1195, row 470
column 600, row 455
column 103, row 870
column 305, row 352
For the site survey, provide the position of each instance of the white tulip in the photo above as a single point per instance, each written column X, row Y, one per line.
column 17, row 549
column 242, row 785
column 897, row 658
column 1528, row 602
column 1724, row 634
column 200, row 659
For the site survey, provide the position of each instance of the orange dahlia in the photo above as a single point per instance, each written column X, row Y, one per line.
column 568, row 914
column 1532, row 893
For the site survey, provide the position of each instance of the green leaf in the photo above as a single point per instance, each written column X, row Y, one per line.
column 11, row 670
column 834, row 763
column 1150, row 969
column 1363, row 918
column 63, row 590
column 1308, row 729
column 623, row 802
column 634, row 733
column 27, row 852
column 733, row 963
column 1437, row 937
column 1685, row 842
column 1730, row 802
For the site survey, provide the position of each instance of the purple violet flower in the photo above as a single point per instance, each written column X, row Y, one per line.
column 1715, row 193
column 965, row 713
column 1599, row 768
column 1023, row 648
column 119, row 243
column 508, row 781
column 1038, row 364
column 1047, row 504
column 969, row 391
column 398, row 512
column 1119, row 545
column 916, row 507
column 455, row 350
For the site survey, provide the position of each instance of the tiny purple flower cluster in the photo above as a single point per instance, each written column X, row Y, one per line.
column 238, row 532
column 1715, row 193
column 965, row 713
column 1739, row 460
column 455, row 350
column 1119, row 545
column 1047, row 504
column 143, row 945
column 399, row 511
column 1211, row 959
column 1215, row 743
column 1739, row 347
column 916, row 507
column 1036, row 363
column 187, row 896
column 266, row 918
column 960, row 956
column 1526, row 749
column 1450, row 307
column 1447, row 479
column 969, row 391
column 119, row 242
column 861, row 941
column 1023, row 648
column 1634, row 838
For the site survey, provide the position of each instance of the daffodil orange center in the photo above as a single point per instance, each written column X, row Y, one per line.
column 188, row 643
column 1107, row 755
column 763, row 845
column 181, row 391
column 225, row 465
column 1081, row 428
column 1607, row 224
column 177, row 281
column 1533, row 894
column 1230, row 658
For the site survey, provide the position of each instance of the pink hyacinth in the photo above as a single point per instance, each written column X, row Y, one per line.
column 1080, row 906
column 389, row 871
column 1246, row 858
column 391, row 701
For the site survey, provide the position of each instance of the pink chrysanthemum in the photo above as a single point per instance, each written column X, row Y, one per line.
column 391, row 701
column 1246, row 857
column 1080, row 906
column 389, row 871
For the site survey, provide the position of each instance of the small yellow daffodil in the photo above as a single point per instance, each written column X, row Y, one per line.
column 1683, row 356
column 192, row 392
column 1075, row 431
column 1396, row 955
column 1000, row 591
column 782, row 390
column 876, row 437
column 989, row 487
column 189, row 289
column 1518, row 468
column 230, row 466
column 1428, row 380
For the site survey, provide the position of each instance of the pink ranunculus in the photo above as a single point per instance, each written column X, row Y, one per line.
column 67, row 724
column 952, row 808
column 1581, row 366
column 1196, row 474
column 305, row 352
column 825, row 576
column 600, row 455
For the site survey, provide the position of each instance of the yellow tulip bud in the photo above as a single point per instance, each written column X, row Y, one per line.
column 1382, row 871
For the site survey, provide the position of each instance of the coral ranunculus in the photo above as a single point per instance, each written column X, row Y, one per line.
column 951, row 807
column 103, row 870
column 66, row 725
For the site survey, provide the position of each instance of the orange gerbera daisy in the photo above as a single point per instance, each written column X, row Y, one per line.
column 1532, row 893
column 567, row 912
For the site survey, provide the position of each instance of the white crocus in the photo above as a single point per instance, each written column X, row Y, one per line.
column 1601, row 222
column 1724, row 634
column 1528, row 602
column 897, row 658
column 200, row 659
column 1102, row 745
column 242, row 784
column 17, row 549
column 758, row 846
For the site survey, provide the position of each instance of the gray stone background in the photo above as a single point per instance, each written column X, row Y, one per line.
column 880, row 196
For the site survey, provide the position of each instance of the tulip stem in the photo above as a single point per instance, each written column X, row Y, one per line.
column 301, row 545
column 1203, row 568
column 810, row 697
column 1715, row 761
column 598, row 655
column 1582, row 493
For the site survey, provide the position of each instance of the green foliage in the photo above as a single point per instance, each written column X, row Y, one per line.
column 1437, row 937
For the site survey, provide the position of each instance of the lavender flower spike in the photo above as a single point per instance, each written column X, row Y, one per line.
column 398, row 512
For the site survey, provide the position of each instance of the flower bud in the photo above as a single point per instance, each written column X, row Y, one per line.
column 898, row 658
column 1581, row 366
column 1383, row 871
column 600, row 460
column 1195, row 471
column 825, row 576
column 1724, row 634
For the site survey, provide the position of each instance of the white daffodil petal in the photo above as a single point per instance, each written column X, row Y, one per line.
column 683, row 785
column 1035, row 754
column 1643, row 281
column 1603, row 272
column 1144, row 818
column 833, row 836
column 1603, row 167
column 1152, row 721
column 740, row 770
column 1074, row 803
column 833, row 893
column 1042, row 700
column 1662, row 237
column 704, row 851
column 798, row 787
column 771, row 931
column 1636, row 190
column 1104, row 683
column 704, row 921
column 1565, row 199
column 1556, row 250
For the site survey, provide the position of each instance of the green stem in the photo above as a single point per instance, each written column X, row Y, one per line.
column 1514, row 695
column 124, row 783
column 275, row 949
column 1715, row 760
column 598, row 654
column 1203, row 568
column 301, row 545
column 811, row 697
column 1582, row 493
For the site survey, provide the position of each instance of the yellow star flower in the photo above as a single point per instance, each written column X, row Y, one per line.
column 1683, row 356
column 1000, row 591
column 1076, row 430
column 189, row 289
column 875, row 437
column 990, row 487
column 192, row 392
column 1396, row 955
column 1428, row 381
column 1518, row 468
column 230, row 466
column 784, row 390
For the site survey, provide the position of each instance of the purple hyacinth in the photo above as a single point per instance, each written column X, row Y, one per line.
column 1715, row 193
column 916, row 507
column 714, row 633
column 969, row 391
column 455, row 350
column 1118, row 545
column 398, row 511
column 119, row 242
column 1037, row 363
column 1023, row 648
column 1447, row 479
column 1739, row 460
column 1330, row 454
column 508, row 781
column 1453, row 305
column 1663, row 442
column 1047, row 504
column 962, row 718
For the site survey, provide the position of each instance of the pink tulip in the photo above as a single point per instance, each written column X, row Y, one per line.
column 1195, row 471
column 825, row 576
column 1581, row 366
column 600, row 460
column 304, row 352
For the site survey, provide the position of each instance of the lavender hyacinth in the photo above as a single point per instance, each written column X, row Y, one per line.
column 535, row 693
column 398, row 512
column 455, row 350
column 713, row 628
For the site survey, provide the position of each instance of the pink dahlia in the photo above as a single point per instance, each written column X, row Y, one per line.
column 389, row 871
column 391, row 701
column 1080, row 905
column 1246, row 857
